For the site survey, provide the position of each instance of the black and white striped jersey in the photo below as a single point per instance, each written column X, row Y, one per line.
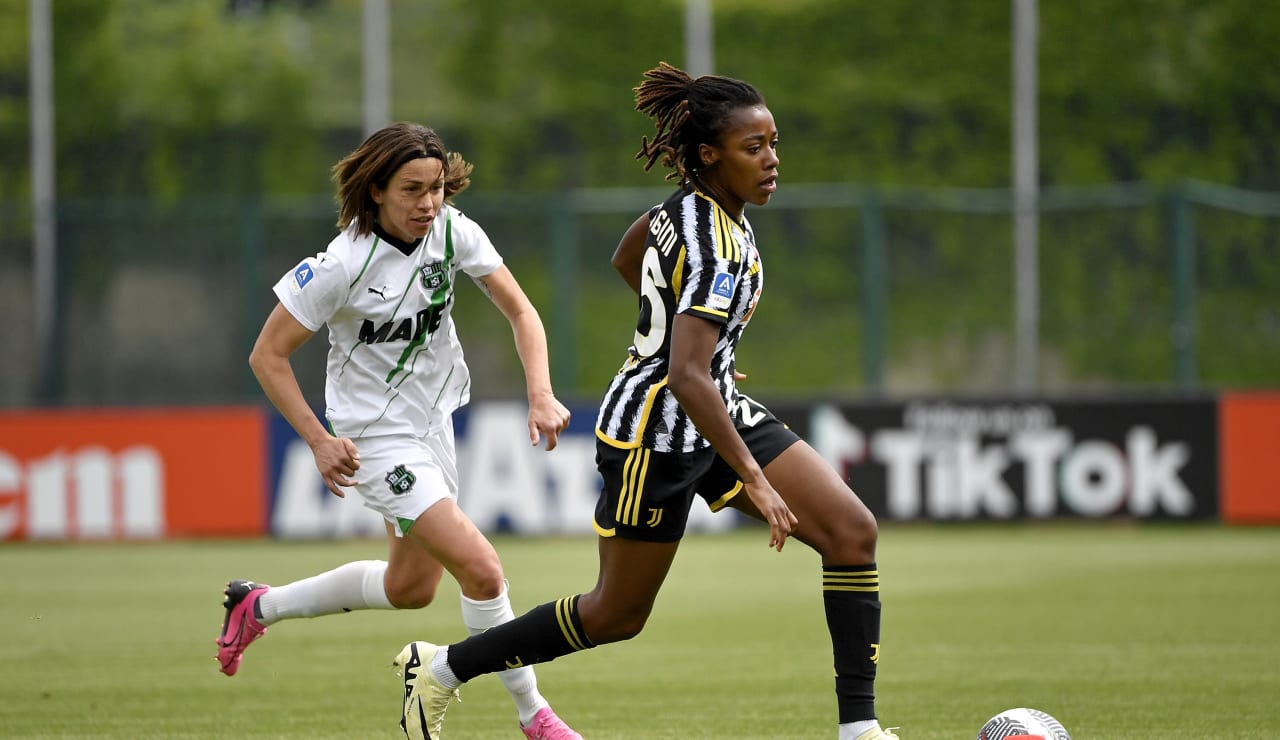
column 697, row 260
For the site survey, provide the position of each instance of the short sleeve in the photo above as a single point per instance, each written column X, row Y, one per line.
column 314, row 290
column 474, row 252
column 708, row 282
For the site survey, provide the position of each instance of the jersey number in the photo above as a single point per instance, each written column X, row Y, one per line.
column 747, row 412
column 651, row 280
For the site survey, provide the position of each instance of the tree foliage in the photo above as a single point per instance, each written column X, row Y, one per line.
column 540, row 92
column 166, row 102
column 170, row 99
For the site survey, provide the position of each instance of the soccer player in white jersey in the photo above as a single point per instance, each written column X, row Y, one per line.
column 394, row 376
column 673, row 424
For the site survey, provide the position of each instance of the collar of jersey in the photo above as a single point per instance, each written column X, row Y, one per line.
column 404, row 247
column 740, row 227
column 720, row 208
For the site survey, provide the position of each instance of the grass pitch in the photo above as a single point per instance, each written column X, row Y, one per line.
column 1121, row 632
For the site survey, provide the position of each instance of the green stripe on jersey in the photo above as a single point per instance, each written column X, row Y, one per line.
column 438, row 298
column 367, row 259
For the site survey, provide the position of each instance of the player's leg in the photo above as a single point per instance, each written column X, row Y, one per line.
column 537, row 718
column 445, row 536
column 362, row 584
column 252, row 607
column 481, row 612
column 453, row 539
column 636, row 553
column 442, row 536
column 241, row 623
column 631, row 574
column 412, row 574
column 388, row 483
column 640, row 516
column 834, row 522
column 838, row 525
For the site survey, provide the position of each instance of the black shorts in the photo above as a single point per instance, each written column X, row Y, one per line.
column 646, row 494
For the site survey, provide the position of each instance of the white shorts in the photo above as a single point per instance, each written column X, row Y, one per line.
column 402, row 476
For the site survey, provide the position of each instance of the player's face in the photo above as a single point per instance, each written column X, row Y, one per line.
column 743, row 168
column 411, row 199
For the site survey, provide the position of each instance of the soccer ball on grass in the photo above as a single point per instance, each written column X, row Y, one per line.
column 1027, row 724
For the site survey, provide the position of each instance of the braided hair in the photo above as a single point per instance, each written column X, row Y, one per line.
column 687, row 112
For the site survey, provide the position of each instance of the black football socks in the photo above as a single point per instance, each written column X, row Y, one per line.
column 851, row 595
column 541, row 634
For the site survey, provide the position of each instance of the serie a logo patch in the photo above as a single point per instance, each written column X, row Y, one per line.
column 401, row 480
column 721, row 291
column 302, row 275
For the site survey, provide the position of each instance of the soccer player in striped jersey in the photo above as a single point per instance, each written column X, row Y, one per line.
column 673, row 423
column 395, row 374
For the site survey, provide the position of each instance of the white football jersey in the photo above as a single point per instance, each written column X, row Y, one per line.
column 395, row 365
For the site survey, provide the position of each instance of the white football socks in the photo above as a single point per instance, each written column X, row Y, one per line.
column 356, row 585
column 440, row 667
column 521, row 683
column 851, row 730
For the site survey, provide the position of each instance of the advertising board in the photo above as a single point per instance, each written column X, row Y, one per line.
column 1034, row 459
column 132, row 474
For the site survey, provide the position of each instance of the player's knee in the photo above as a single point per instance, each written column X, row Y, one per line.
column 864, row 526
column 482, row 580
column 622, row 627
column 861, row 534
column 849, row 537
column 869, row 532
column 412, row 595
column 605, row 622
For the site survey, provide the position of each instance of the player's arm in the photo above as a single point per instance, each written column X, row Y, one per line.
column 547, row 416
column 336, row 458
column 693, row 343
column 629, row 255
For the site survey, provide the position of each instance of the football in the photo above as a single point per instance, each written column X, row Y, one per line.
column 1023, row 723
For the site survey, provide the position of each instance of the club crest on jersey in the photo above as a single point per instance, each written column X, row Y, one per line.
column 302, row 275
column 401, row 480
column 721, row 290
column 432, row 275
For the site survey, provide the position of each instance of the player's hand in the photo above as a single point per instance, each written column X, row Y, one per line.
column 337, row 459
column 774, row 510
column 738, row 377
column 547, row 418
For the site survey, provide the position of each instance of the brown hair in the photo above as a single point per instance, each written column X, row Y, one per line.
column 687, row 112
column 378, row 159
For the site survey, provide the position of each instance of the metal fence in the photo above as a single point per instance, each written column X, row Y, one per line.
column 869, row 291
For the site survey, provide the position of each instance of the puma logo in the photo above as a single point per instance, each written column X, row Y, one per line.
column 379, row 293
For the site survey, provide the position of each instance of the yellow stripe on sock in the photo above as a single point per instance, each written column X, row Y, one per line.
column 867, row 581
column 564, row 609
